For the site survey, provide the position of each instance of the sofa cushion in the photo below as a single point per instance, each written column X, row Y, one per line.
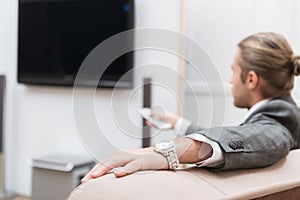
column 146, row 185
column 196, row 183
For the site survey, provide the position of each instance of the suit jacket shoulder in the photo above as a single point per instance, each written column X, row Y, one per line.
column 284, row 111
column 264, row 138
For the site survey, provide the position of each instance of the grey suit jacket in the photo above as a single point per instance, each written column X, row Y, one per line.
column 264, row 138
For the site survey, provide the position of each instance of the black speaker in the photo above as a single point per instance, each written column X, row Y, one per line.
column 146, row 103
column 3, row 193
column 2, row 86
column 2, row 173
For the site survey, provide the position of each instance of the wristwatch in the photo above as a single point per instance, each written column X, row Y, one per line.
column 168, row 150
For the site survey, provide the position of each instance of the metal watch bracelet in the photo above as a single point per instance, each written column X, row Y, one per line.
column 168, row 150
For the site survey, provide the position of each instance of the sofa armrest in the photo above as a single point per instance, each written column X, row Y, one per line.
column 196, row 183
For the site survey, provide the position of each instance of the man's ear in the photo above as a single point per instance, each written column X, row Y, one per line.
column 252, row 80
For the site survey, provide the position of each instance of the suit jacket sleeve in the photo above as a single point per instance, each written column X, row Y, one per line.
column 259, row 143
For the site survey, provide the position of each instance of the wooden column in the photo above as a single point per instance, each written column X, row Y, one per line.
column 146, row 103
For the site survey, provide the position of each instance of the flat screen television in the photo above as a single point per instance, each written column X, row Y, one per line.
column 55, row 36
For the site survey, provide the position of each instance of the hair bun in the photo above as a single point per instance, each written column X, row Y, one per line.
column 296, row 65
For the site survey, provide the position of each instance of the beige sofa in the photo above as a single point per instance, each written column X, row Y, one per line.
column 280, row 181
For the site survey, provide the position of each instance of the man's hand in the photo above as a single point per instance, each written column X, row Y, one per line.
column 127, row 162
column 165, row 117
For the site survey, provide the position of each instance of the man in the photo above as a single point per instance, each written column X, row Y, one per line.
column 264, row 68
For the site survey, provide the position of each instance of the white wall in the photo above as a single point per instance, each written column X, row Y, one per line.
column 218, row 26
column 39, row 120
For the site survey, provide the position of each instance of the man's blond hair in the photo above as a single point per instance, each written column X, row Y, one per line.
column 270, row 56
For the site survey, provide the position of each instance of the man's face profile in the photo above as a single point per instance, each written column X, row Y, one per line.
column 239, row 89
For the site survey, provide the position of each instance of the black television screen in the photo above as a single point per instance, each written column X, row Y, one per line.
column 55, row 36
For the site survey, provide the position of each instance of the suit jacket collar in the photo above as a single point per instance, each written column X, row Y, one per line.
column 255, row 107
column 286, row 98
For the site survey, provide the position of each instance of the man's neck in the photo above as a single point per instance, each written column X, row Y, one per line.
column 256, row 98
column 255, row 107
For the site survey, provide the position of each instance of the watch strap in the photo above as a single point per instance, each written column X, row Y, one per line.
column 170, row 154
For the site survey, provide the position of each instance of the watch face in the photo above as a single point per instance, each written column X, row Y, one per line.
column 163, row 145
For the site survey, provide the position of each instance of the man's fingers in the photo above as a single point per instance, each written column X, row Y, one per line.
column 148, row 123
column 166, row 117
column 128, row 169
column 118, row 160
column 88, row 175
column 99, row 170
column 158, row 115
column 104, row 168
